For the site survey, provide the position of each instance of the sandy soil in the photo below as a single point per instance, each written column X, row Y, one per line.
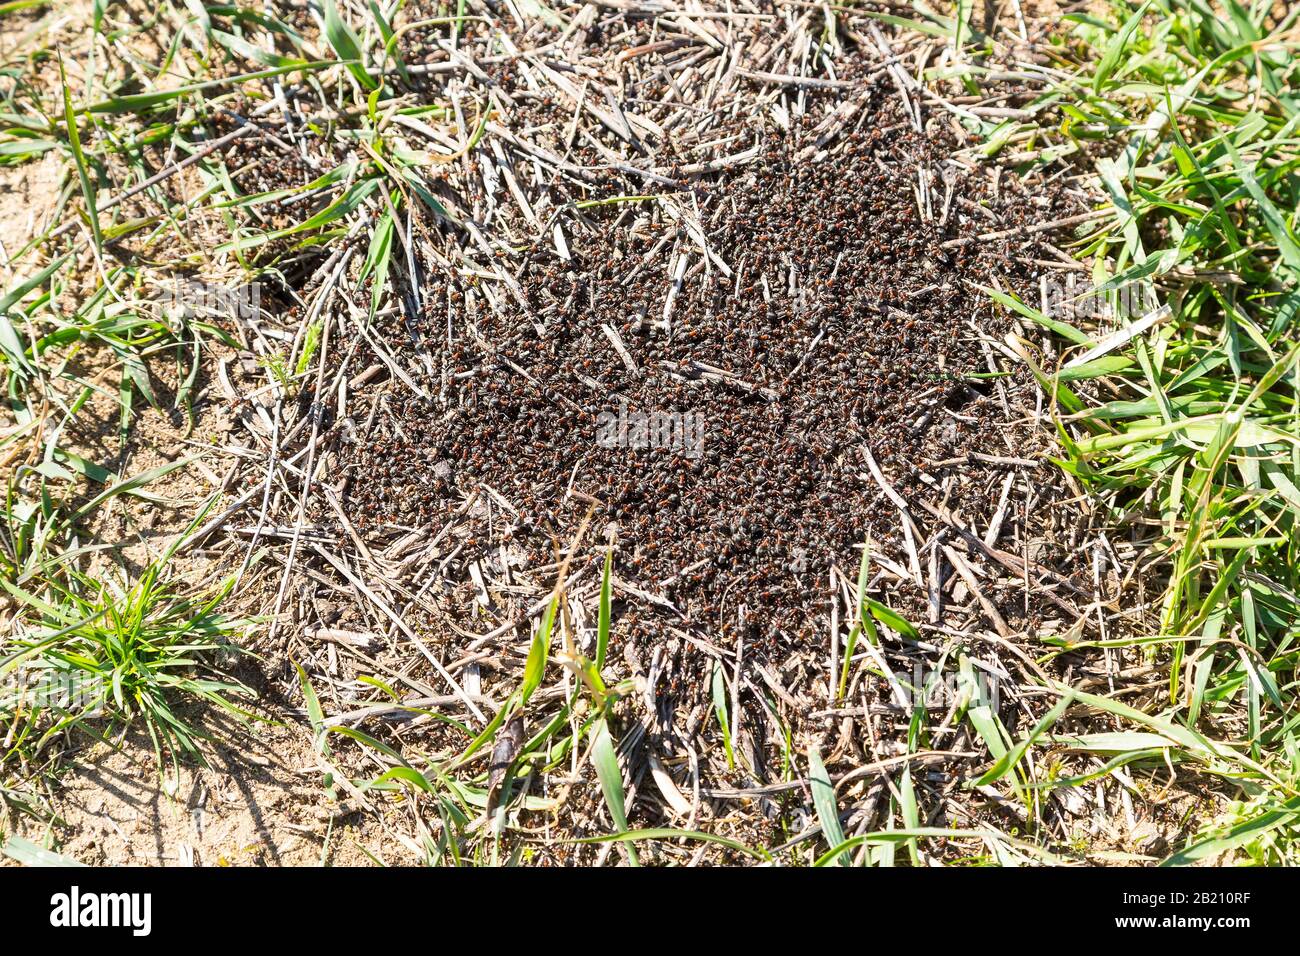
column 28, row 194
column 260, row 802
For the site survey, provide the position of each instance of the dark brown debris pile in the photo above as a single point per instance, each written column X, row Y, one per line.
column 717, row 371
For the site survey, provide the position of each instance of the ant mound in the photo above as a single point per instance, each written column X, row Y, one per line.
column 727, row 375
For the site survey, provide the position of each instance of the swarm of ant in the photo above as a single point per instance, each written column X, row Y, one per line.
column 838, row 328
